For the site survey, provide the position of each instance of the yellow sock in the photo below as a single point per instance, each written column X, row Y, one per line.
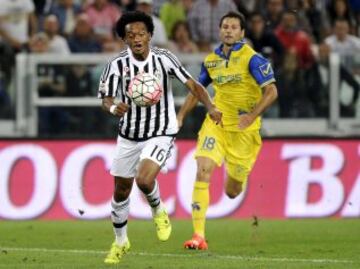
column 199, row 206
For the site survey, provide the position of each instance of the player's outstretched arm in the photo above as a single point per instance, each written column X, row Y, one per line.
column 118, row 110
column 269, row 96
column 203, row 96
column 189, row 104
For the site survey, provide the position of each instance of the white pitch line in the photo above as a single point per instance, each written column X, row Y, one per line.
column 208, row 255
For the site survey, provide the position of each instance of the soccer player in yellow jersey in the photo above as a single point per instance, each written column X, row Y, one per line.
column 244, row 87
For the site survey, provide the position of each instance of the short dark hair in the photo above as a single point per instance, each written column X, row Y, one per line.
column 134, row 16
column 234, row 14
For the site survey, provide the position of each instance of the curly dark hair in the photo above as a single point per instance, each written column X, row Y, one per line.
column 134, row 16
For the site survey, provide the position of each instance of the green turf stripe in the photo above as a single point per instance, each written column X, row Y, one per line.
column 190, row 255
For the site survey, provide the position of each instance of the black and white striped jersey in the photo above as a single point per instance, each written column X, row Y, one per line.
column 141, row 123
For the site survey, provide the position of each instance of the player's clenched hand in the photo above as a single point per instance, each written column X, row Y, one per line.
column 216, row 115
column 245, row 120
column 120, row 109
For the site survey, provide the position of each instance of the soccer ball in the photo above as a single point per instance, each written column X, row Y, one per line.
column 145, row 90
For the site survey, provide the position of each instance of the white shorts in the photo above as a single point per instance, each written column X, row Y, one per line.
column 128, row 154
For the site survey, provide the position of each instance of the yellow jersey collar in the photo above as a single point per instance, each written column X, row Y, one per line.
column 237, row 46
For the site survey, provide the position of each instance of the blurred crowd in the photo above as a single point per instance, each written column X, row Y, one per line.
column 296, row 35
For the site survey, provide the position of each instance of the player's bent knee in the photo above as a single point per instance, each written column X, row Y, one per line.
column 232, row 194
column 144, row 184
column 204, row 172
column 233, row 188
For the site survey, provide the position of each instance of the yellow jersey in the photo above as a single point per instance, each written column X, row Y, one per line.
column 237, row 79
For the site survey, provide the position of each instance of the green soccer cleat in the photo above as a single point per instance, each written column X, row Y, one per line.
column 116, row 252
column 163, row 225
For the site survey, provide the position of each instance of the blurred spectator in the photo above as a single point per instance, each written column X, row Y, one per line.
column 245, row 7
column 66, row 12
column 42, row 8
column 5, row 103
column 78, row 83
column 170, row 13
column 82, row 39
column 263, row 41
column 295, row 40
column 345, row 76
column 355, row 7
column 7, row 61
column 298, row 7
column 159, row 37
column 273, row 13
column 187, row 4
column 319, row 25
column 157, row 4
column 57, row 43
column 340, row 9
column 51, row 84
column 114, row 46
column 341, row 41
column 16, row 18
column 290, row 85
column 102, row 18
column 181, row 39
column 204, row 18
column 300, row 90
column 125, row 5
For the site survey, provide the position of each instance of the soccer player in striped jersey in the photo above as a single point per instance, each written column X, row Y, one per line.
column 146, row 134
column 244, row 87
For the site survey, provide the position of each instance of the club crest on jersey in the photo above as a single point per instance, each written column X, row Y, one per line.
column 266, row 69
column 126, row 71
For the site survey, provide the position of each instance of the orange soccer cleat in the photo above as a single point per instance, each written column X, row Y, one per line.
column 196, row 242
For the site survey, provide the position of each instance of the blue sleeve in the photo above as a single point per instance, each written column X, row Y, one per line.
column 204, row 77
column 261, row 70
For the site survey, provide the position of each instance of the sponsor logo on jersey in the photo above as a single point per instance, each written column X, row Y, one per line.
column 212, row 64
column 266, row 69
column 233, row 78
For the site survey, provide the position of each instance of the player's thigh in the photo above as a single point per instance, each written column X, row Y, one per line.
column 154, row 155
column 210, row 143
column 126, row 158
column 241, row 152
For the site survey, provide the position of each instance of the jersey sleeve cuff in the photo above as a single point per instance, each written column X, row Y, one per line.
column 267, row 82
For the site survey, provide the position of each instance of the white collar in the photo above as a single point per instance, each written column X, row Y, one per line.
column 139, row 64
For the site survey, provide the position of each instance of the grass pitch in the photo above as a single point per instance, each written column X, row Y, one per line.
column 326, row 243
